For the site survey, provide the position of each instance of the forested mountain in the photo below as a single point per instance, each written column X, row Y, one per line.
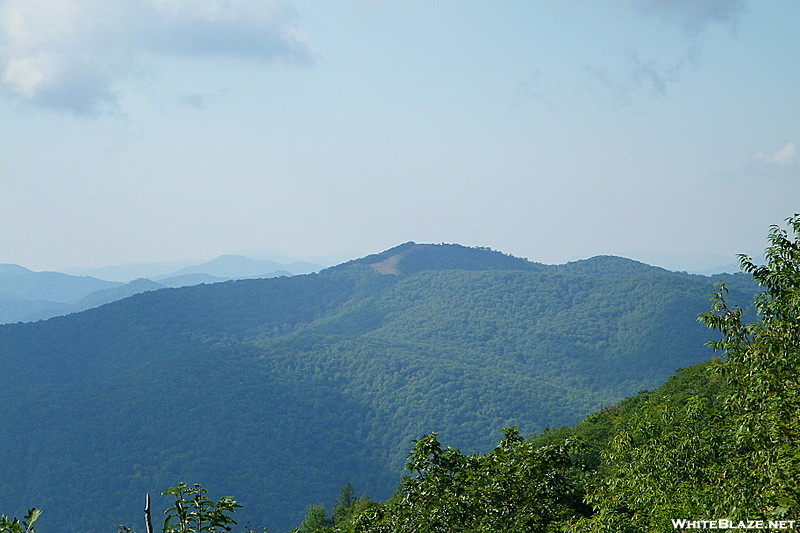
column 714, row 448
column 285, row 389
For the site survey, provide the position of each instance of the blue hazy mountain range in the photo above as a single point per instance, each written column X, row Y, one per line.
column 27, row 296
column 230, row 266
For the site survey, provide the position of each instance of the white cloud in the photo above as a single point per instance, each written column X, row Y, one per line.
column 25, row 74
column 785, row 161
column 71, row 54
column 783, row 157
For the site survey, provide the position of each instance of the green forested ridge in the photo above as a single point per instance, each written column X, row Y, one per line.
column 282, row 390
column 715, row 446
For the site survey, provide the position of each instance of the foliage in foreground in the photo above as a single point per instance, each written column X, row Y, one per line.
column 519, row 486
column 20, row 526
column 731, row 454
column 193, row 512
column 731, row 451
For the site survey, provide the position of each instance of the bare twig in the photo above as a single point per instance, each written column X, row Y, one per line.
column 148, row 522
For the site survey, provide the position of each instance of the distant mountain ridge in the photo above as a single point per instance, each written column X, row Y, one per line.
column 8, row 268
column 609, row 265
column 19, row 283
column 27, row 296
column 281, row 390
column 237, row 266
column 91, row 300
column 229, row 266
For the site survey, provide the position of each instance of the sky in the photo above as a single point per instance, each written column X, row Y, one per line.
column 159, row 130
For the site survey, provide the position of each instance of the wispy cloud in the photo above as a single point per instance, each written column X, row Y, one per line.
column 641, row 76
column 72, row 54
column 531, row 89
column 693, row 16
column 785, row 161
column 197, row 101
column 625, row 86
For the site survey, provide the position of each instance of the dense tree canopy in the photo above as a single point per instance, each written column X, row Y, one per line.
column 762, row 362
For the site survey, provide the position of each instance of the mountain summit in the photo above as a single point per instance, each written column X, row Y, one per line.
column 410, row 257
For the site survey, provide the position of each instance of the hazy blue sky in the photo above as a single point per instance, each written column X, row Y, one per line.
column 143, row 130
